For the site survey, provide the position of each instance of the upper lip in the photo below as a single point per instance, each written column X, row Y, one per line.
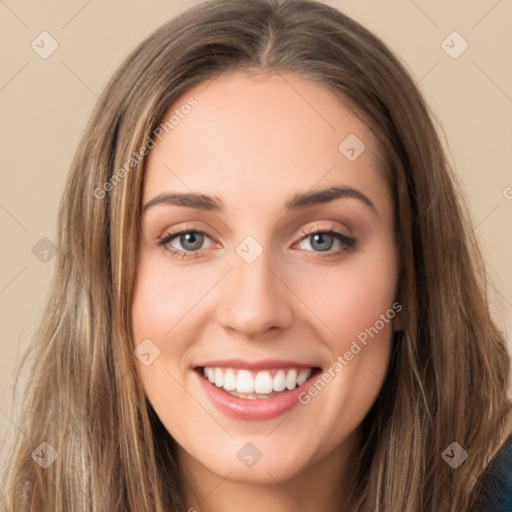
column 264, row 364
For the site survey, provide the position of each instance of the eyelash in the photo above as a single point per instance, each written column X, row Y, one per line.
column 347, row 242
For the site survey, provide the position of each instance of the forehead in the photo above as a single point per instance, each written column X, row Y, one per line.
column 262, row 137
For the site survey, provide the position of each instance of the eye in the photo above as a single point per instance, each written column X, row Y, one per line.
column 188, row 243
column 191, row 241
column 323, row 241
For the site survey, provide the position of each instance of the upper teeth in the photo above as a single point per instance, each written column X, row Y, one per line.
column 263, row 382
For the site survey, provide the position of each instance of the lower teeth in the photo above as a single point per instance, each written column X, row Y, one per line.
column 248, row 396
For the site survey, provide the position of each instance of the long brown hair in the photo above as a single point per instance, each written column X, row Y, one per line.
column 449, row 373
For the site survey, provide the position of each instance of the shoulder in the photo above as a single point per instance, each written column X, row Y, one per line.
column 495, row 489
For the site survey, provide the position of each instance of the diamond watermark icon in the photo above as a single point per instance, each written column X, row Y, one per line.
column 454, row 455
column 45, row 455
column 44, row 45
column 146, row 352
column 351, row 147
column 249, row 455
column 454, row 45
column 44, row 250
column 249, row 249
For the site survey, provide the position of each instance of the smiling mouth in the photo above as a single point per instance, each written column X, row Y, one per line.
column 255, row 385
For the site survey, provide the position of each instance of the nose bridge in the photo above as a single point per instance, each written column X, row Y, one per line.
column 254, row 300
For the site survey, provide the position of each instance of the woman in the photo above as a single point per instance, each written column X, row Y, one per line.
column 248, row 369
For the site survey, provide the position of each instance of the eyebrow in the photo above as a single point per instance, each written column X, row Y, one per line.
column 297, row 202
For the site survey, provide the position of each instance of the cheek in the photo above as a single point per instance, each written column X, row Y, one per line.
column 163, row 296
column 159, row 305
column 345, row 391
column 350, row 298
column 355, row 302
column 165, row 304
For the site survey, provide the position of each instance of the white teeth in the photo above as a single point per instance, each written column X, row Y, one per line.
column 291, row 379
column 255, row 385
column 279, row 382
column 219, row 377
column 229, row 380
column 303, row 376
column 263, row 383
column 244, row 382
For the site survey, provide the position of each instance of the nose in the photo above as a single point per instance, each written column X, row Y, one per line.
column 254, row 300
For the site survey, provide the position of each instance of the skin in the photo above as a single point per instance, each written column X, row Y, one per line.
column 254, row 142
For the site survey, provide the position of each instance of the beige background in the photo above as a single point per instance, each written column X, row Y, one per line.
column 45, row 103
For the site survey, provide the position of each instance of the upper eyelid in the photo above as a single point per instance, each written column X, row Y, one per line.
column 186, row 228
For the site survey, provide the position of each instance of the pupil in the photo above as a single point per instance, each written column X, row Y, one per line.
column 190, row 238
column 320, row 236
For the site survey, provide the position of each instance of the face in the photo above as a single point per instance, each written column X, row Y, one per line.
column 266, row 309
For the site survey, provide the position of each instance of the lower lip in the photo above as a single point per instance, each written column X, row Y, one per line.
column 253, row 410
